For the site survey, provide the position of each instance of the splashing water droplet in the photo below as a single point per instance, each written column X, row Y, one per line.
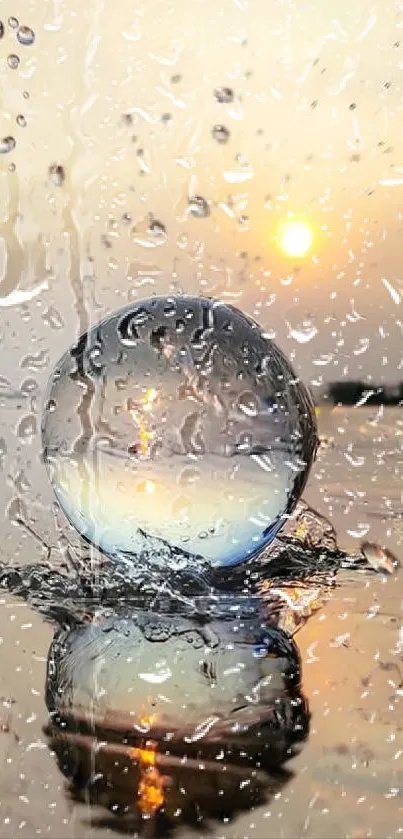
column 220, row 134
column 224, row 95
column 26, row 36
column 13, row 61
column 191, row 395
column 7, row 144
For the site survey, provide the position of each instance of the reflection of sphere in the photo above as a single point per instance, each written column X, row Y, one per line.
column 222, row 696
column 176, row 418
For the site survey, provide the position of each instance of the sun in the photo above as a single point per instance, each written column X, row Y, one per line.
column 296, row 238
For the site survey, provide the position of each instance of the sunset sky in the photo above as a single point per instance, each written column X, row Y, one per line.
column 122, row 96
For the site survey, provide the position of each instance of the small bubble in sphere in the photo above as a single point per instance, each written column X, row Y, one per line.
column 176, row 418
column 13, row 22
column 26, row 36
column 21, row 121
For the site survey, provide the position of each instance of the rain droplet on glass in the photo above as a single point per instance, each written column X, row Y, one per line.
column 56, row 174
column 7, row 144
column 26, row 36
column 220, row 134
column 198, row 207
column 13, row 61
column 52, row 317
column 26, row 428
column 157, row 228
column 224, row 95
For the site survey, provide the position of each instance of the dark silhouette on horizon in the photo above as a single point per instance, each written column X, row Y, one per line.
column 364, row 393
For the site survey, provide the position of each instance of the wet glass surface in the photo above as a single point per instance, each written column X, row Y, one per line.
column 212, row 150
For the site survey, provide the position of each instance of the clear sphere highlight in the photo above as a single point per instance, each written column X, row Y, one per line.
column 176, row 419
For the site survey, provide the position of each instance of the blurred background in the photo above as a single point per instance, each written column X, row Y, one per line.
column 246, row 149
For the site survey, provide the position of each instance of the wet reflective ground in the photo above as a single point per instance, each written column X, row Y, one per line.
column 347, row 780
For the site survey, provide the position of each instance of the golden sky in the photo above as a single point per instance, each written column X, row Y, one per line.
column 122, row 96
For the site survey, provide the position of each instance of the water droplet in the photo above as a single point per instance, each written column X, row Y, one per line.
column 17, row 512
column 26, row 36
column 174, row 414
column 238, row 176
column 13, row 61
column 360, row 531
column 157, row 228
column 224, row 95
column 3, row 451
column 248, row 404
column 28, row 387
column 182, row 241
column 35, row 361
column 53, row 318
column 25, row 94
column 21, row 482
column 1, row 29
column 27, row 428
column 198, row 207
column 13, row 23
column 7, row 144
column 303, row 333
column 149, row 233
column 21, row 121
column 220, row 134
column 57, row 174
column 169, row 308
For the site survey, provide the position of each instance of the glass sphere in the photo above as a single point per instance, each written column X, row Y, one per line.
column 177, row 419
